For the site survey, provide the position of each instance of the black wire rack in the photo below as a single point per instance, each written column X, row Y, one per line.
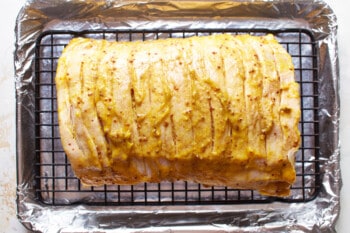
column 55, row 181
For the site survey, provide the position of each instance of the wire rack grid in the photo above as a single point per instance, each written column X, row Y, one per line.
column 57, row 185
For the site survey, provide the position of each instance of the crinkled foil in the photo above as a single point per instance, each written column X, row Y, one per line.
column 317, row 215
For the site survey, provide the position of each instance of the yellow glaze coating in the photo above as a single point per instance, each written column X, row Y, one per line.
column 218, row 110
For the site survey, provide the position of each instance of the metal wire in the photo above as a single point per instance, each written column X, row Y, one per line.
column 57, row 185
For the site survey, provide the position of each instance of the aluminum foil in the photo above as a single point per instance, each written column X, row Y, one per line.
column 316, row 215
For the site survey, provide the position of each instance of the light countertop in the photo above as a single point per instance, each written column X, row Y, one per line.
column 8, row 12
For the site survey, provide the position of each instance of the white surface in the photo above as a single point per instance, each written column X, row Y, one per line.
column 8, row 12
column 8, row 219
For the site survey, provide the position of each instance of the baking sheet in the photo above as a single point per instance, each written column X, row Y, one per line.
column 314, row 215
